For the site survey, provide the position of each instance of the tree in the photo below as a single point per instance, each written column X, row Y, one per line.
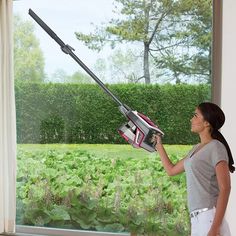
column 80, row 78
column 187, row 54
column 100, row 67
column 122, row 65
column 157, row 25
column 125, row 65
column 59, row 76
column 140, row 21
column 28, row 57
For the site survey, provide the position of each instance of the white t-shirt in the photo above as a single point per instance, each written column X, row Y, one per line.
column 202, row 185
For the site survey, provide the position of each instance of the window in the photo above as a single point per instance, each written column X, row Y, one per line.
column 74, row 170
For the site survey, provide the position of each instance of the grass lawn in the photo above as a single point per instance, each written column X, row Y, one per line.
column 106, row 150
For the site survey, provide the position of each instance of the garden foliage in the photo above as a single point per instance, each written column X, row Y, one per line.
column 83, row 113
column 77, row 190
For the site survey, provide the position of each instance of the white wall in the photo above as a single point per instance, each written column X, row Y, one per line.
column 228, row 94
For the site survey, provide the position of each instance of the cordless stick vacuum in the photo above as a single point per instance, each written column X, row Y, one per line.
column 139, row 129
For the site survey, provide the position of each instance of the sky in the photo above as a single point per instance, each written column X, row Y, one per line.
column 65, row 17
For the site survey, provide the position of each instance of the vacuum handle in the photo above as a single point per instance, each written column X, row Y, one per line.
column 68, row 50
column 46, row 28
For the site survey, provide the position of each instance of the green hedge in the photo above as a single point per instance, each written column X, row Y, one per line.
column 83, row 113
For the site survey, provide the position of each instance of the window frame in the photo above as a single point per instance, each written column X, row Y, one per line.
column 216, row 98
column 216, row 52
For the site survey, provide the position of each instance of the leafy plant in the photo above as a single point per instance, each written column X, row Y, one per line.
column 77, row 190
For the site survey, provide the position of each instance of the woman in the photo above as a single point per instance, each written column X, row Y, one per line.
column 207, row 168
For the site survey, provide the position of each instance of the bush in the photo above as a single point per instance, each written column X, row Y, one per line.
column 77, row 190
column 83, row 113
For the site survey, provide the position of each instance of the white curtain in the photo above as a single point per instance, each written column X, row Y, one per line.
column 7, row 122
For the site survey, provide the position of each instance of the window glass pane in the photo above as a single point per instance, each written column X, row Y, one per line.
column 74, row 169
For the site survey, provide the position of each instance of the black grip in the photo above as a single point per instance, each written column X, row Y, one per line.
column 46, row 28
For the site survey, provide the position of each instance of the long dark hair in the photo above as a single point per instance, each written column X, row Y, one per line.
column 216, row 117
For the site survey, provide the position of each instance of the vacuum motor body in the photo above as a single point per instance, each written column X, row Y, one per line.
column 139, row 131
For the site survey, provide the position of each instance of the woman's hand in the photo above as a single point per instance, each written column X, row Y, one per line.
column 156, row 139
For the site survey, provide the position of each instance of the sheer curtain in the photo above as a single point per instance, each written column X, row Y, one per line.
column 7, row 122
